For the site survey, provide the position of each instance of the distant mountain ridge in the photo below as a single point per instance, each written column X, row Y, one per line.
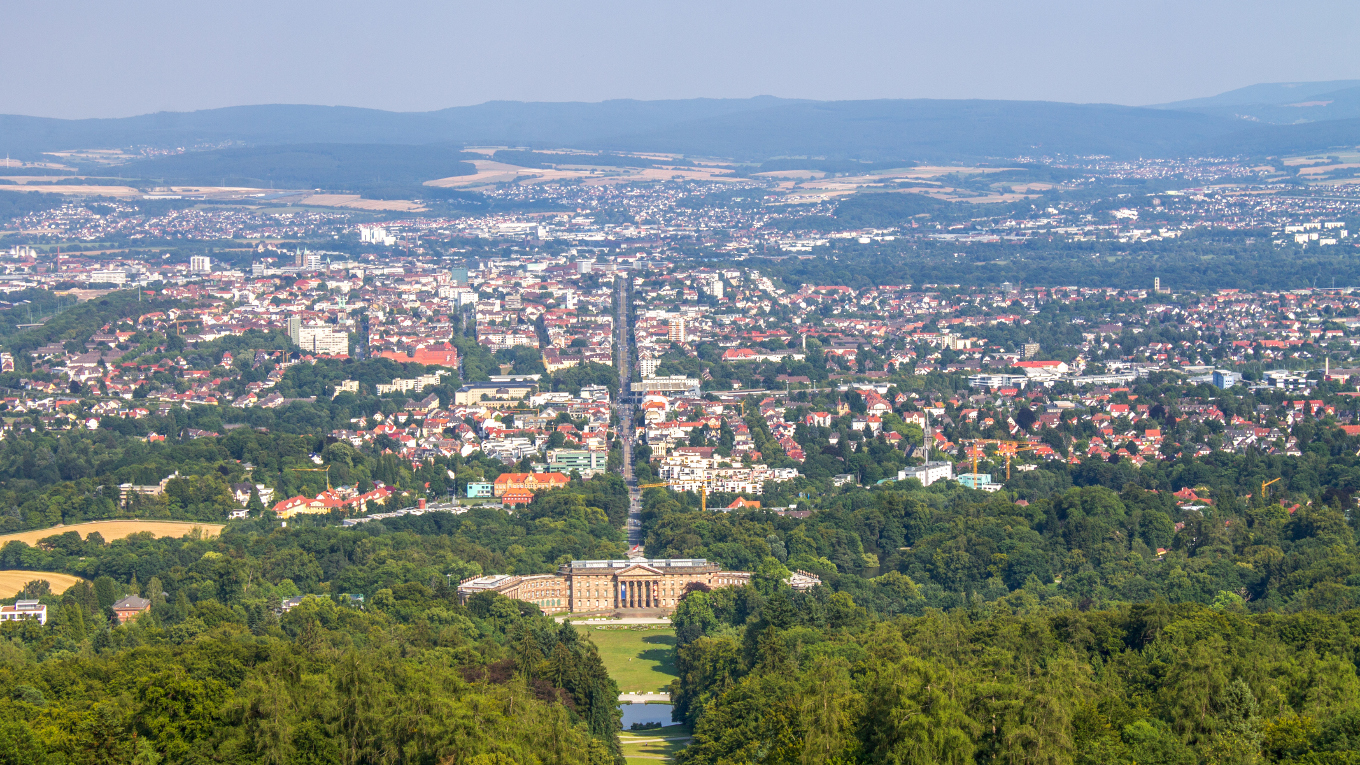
column 756, row 129
column 1285, row 103
column 1264, row 93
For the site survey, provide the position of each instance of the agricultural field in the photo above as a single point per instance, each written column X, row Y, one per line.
column 13, row 581
column 639, row 660
column 648, row 746
column 112, row 530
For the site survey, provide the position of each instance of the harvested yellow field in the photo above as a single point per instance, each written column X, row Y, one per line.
column 13, row 581
column 1321, row 169
column 86, row 191
column 357, row 202
column 112, row 530
column 490, row 172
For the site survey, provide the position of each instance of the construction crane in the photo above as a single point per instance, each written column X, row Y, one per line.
column 1006, row 449
column 176, row 322
column 326, row 470
column 1264, row 484
column 703, row 489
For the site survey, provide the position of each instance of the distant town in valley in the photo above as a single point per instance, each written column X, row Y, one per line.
column 687, row 447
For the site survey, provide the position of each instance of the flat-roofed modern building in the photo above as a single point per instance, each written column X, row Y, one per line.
column 475, row 393
column 928, row 473
column 672, row 384
column 22, row 610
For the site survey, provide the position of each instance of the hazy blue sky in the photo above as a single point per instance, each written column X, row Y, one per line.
column 105, row 59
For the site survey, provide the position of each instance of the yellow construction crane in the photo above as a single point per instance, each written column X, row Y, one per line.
column 1006, row 449
column 326, row 470
column 1264, row 484
column 703, row 489
column 177, row 322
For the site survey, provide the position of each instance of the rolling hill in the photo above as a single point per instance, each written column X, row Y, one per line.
column 1282, row 103
column 335, row 167
column 345, row 148
column 747, row 129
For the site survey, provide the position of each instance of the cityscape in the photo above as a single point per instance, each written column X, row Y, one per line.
column 545, row 398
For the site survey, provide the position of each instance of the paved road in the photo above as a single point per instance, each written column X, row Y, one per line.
column 642, row 698
column 623, row 356
column 604, row 621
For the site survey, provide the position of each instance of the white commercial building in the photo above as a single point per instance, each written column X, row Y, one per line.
column 928, row 473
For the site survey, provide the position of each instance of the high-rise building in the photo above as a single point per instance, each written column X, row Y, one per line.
column 323, row 339
column 675, row 330
column 200, row 264
column 376, row 235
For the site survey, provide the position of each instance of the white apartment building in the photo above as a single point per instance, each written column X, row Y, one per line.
column 321, row 339
column 24, row 609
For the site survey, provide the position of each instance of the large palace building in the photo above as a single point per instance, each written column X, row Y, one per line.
column 612, row 585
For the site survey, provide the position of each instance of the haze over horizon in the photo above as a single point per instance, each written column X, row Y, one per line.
column 119, row 61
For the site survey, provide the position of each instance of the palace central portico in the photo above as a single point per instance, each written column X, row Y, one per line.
column 650, row 584
column 639, row 584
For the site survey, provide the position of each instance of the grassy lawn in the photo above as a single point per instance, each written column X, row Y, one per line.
column 639, row 660
column 650, row 746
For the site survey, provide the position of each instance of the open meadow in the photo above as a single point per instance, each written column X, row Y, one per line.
column 639, row 660
column 649, row 746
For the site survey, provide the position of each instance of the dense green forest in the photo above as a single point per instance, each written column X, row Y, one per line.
column 75, row 323
column 1199, row 260
column 1086, row 546
column 214, row 673
column 19, row 204
column 769, row 675
column 330, row 166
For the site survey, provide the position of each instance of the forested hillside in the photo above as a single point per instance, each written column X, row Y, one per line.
column 767, row 675
column 216, row 673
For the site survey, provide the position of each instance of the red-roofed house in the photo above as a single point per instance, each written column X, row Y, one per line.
column 517, row 497
column 529, row 481
column 739, row 354
column 297, row 505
